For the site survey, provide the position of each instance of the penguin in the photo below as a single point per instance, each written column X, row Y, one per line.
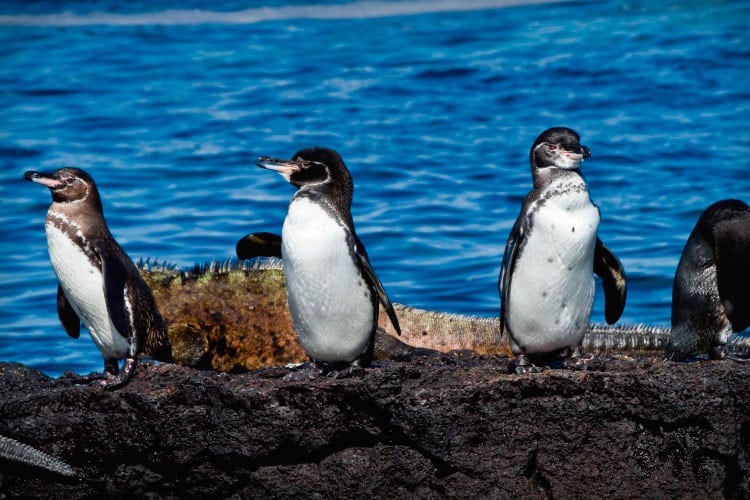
column 711, row 291
column 332, row 290
column 98, row 283
column 546, row 281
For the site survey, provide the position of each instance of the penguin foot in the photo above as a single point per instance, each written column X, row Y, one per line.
column 521, row 366
column 302, row 372
column 523, row 370
column 577, row 360
column 577, row 363
column 717, row 352
column 120, row 377
column 341, row 370
column 669, row 355
column 316, row 369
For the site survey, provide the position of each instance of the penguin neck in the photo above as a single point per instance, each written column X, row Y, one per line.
column 337, row 199
column 544, row 177
column 79, row 217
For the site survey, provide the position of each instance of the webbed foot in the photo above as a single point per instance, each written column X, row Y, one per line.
column 315, row 369
column 302, row 372
column 353, row 368
column 119, row 378
column 577, row 360
column 717, row 352
column 521, row 366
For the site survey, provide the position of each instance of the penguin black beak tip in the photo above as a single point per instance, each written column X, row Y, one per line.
column 262, row 161
column 30, row 175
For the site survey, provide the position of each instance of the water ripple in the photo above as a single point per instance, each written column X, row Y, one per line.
column 432, row 106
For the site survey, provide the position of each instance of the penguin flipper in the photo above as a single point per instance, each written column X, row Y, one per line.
column 115, row 277
column 68, row 317
column 609, row 268
column 375, row 282
column 506, row 270
column 259, row 245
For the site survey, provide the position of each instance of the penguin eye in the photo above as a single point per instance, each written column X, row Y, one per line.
column 302, row 162
column 552, row 147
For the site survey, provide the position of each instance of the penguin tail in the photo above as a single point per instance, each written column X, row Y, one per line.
column 158, row 346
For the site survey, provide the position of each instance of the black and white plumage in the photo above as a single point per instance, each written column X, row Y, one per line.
column 546, row 281
column 711, row 292
column 333, row 292
column 98, row 283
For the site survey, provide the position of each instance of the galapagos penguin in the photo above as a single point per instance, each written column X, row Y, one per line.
column 711, row 292
column 98, row 283
column 546, row 280
column 333, row 292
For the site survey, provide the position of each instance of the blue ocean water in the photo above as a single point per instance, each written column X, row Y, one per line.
column 433, row 106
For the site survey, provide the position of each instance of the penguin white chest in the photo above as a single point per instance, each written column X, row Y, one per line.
column 83, row 285
column 552, row 286
column 329, row 299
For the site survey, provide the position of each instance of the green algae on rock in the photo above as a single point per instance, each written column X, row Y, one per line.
column 229, row 316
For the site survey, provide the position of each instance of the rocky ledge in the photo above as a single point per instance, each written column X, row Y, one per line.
column 447, row 425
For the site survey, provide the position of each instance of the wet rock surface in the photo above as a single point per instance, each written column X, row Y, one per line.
column 447, row 425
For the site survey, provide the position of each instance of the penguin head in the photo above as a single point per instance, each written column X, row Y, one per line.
column 315, row 169
column 66, row 184
column 558, row 147
column 311, row 166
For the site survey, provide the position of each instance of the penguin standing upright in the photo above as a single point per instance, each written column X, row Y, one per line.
column 98, row 283
column 547, row 277
column 711, row 292
column 333, row 292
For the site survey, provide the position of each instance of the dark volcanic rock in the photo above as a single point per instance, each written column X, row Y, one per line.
column 454, row 425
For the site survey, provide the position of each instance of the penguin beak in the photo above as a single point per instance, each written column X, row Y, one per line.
column 284, row 167
column 47, row 180
column 576, row 149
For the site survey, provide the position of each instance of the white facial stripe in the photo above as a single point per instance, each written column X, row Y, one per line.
column 318, row 183
column 85, row 196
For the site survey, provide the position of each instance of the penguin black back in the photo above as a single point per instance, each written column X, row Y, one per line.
column 731, row 234
column 711, row 292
